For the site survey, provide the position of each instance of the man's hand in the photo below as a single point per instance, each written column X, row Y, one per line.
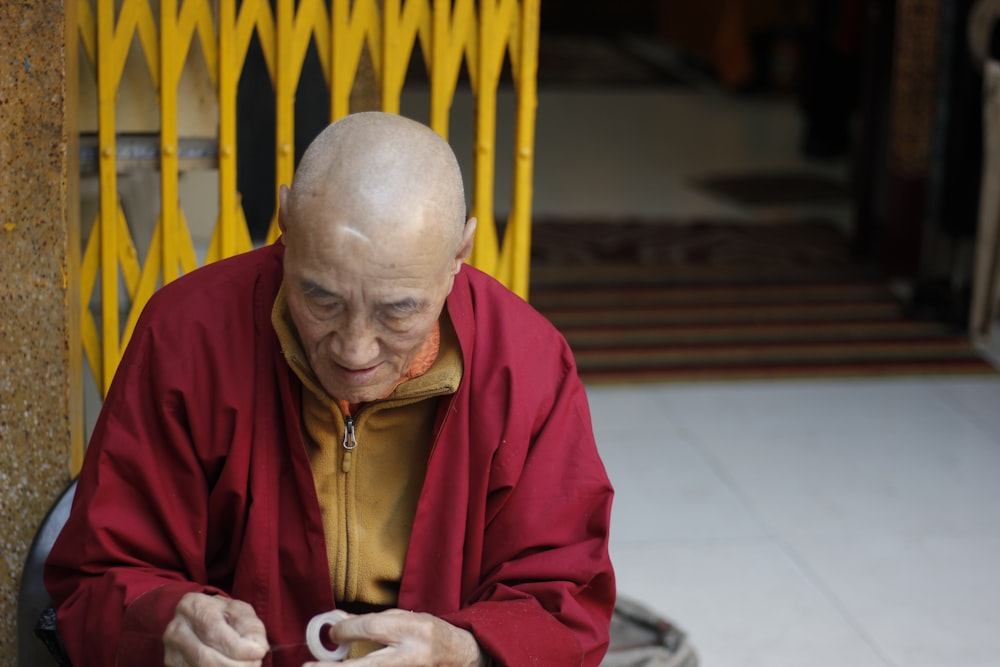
column 410, row 640
column 207, row 630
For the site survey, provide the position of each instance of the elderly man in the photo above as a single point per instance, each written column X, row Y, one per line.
column 349, row 419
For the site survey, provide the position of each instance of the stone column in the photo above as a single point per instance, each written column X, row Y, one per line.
column 40, row 353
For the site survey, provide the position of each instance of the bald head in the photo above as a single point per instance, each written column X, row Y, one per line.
column 381, row 173
column 375, row 235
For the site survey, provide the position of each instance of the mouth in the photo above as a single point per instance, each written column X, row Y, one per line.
column 359, row 375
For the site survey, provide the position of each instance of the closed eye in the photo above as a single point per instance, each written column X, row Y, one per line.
column 399, row 315
column 320, row 301
column 324, row 308
column 401, row 309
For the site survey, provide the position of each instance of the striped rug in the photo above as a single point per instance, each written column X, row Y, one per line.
column 652, row 301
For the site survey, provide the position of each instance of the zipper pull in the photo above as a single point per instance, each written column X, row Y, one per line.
column 350, row 443
column 350, row 439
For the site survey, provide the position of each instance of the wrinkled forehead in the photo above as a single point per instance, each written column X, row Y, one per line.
column 375, row 198
column 387, row 222
column 406, row 241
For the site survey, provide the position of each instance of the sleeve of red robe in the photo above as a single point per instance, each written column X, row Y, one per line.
column 126, row 557
column 548, row 592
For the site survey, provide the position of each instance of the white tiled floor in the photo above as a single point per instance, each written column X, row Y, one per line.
column 798, row 524
column 812, row 523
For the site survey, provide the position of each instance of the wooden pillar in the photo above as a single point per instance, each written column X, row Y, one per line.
column 40, row 397
column 913, row 108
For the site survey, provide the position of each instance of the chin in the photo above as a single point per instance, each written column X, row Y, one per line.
column 356, row 394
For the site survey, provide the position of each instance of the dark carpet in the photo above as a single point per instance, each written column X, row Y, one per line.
column 655, row 301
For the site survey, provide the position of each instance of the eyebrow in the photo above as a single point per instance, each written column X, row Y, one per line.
column 405, row 305
column 313, row 289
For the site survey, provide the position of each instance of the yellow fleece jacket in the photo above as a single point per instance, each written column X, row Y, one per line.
column 368, row 487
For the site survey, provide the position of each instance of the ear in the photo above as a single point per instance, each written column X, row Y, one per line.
column 283, row 194
column 466, row 244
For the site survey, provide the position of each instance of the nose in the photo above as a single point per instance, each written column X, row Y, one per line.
column 356, row 346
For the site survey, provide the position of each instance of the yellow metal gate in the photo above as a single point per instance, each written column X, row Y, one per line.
column 481, row 36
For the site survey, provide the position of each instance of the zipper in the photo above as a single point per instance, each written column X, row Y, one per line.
column 349, row 444
column 350, row 438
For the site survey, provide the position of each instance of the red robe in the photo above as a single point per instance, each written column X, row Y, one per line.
column 197, row 479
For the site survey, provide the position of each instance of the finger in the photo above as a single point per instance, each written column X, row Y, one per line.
column 387, row 627
column 245, row 622
column 388, row 656
column 410, row 639
column 209, row 617
column 231, row 642
column 183, row 648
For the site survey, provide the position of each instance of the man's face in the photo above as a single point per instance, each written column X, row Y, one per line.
column 363, row 304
